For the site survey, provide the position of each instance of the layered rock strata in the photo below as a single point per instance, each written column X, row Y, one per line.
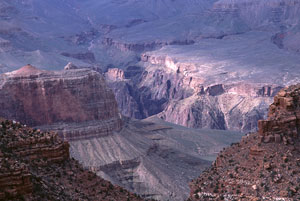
column 264, row 165
column 15, row 179
column 36, row 98
column 155, row 149
column 35, row 165
column 152, row 158
column 283, row 121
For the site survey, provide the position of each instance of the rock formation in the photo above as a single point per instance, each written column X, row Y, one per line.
column 187, row 100
column 264, row 165
column 115, row 74
column 283, row 123
column 35, row 165
column 77, row 105
column 152, row 158
column 141, row 35
column 70, row 66
column 36, row 98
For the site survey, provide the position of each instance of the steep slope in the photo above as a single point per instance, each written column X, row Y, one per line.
column 122, row 33
column 264, row 165
column 225, row 88
column 36, row 166
column 235, row 46
column 153, row 158
column 77, row 96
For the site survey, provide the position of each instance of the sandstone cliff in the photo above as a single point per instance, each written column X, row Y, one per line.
column 264, row 165
column 35, row 165
column 36, row 98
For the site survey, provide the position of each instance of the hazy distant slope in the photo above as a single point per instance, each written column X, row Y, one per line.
column 72, row 26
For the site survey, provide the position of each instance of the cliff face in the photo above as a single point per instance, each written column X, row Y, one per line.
column 178, row 93
column 35, row 165
column 78, row 106
column 224, row 89
column 264, row 164
column 283, row 123
column 29, row 145
column 36, row 98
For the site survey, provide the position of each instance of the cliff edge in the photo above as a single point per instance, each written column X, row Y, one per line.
column 264, row 165
column 42, row 98
column 35, row 165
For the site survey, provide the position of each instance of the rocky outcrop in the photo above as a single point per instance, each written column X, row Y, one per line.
column 115, row 74
column 70, row 66
column 38, row 98
column 283, row 123
column 210, row 89
column 264, row 165
column 30, row 145
column 15, row 179
column 144, row 93
column 35, row 165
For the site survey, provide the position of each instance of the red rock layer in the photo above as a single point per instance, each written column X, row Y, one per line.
column 15, row 179
column 283, row 123
column 35, row 97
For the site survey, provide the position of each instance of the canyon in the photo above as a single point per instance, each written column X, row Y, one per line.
column 263, row 165
column 152, row 158
column 169, row 51
column 145, row 94
column 36, row 165
column 41, row 98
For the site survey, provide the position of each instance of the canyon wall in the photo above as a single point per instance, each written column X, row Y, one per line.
column 191, row 94
column 36, row 165
column 264, row 164
column 282, row 124
column 134, row 154
column 42, row 98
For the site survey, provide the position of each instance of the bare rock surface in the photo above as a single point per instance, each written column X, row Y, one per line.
column 225, row 88
column 37, row 97
column 152, row 158
column 211, row 41
column 36, row 165
column 283, row 119
column 264, row 165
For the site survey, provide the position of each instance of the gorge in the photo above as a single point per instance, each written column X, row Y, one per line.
column 152, row 158
column 146, row 93
column 169, row 51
